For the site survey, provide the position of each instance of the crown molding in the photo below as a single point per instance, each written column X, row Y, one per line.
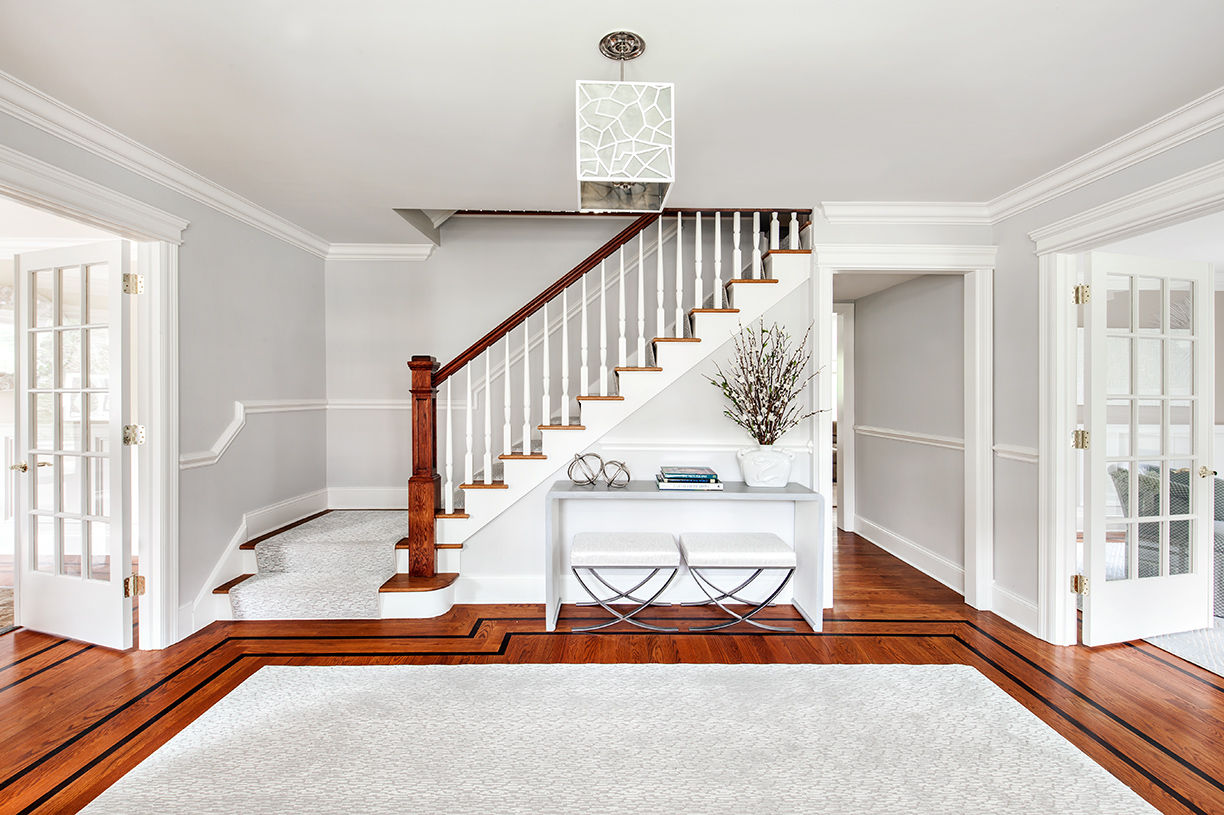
column 33, row 107
column 1188, row 122
column 380, row 251
column 1198, row 192
column 931, row 213
column 873, row 257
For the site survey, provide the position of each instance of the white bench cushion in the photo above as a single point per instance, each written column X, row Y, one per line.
column 604, row 549
column 748, row 550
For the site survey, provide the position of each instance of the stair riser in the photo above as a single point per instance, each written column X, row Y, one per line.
column 447, row 559
column 415, row 604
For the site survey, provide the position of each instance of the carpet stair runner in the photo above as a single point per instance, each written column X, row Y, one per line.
column 330, row 567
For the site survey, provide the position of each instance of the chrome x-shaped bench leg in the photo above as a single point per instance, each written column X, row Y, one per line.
column 704, row 582
column 731, row 594
column 625, row 618
column 626, row 595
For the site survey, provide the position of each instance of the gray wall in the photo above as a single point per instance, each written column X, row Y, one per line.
column 909, row 377
column 251, row 328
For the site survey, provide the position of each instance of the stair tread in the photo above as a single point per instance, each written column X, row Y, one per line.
column 787, row 252
column 752, row 280
column 404, row 544
column 714, row 311
column 523, row 456
column 676, row 339
column 637, row 368
column 601, row 398
column 225, row 587
column 404, row 582
column 561, row 427
column 480, row 485
column 249, row 545
column 459, row 515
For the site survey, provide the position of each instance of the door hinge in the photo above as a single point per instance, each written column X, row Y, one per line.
column 133, row 283
column 1081, row 294
column 1079, row 440
column 1079, row 584
column 133, row 434
column 134, row 586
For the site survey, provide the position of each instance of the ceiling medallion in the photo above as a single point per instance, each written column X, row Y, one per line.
column 622, row 45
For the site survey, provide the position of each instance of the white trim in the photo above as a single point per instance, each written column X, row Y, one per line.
column 35, row 108
column 647, row 445
column 915, row 554
column 931, row 213
column 211, row 456
column 368, row 497
column 858, row 257
column 979, row 437
column 45, row 186
column 1017, row 610
column 1014, row 452
column 846, row 441
column 1181, row 198
column 1190, row 121
column 229, row 565
column 380, row 251
column 949, row 442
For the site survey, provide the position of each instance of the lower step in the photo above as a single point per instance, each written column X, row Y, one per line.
column 404, row 596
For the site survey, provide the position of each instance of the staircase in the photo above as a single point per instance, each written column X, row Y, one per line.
column 561, row 372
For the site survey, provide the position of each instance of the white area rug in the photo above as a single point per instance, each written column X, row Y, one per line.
column 329, row 567
column 541, row 739
column 1204, row 647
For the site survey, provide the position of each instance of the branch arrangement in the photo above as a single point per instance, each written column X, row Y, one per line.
column 765, row 380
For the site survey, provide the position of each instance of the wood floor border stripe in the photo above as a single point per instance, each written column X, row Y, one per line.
column 45, row 668
column 43, row 650
column 1149, row 651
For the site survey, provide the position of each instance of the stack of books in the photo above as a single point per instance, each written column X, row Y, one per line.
column 687, row 478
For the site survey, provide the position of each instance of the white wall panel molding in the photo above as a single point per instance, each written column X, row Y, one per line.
column 1014, row 452
column 45, row 186
column 211, row 456
column 927, row 439
column 950, row 213
column 915, row 554
column 1181, row 198
column 1190, row 121
column 380, row 251
column 35, row 108
column 875, row 257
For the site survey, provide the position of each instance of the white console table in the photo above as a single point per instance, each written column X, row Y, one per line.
column 808, row 518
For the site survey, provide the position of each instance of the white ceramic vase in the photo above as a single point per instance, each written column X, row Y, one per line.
column 764, row 466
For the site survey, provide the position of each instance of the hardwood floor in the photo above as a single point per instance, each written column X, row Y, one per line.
column 74, row 718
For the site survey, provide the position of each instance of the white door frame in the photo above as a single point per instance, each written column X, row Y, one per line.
column 976, row 264
column 1183, row 198
column 845, row 417
column 44, row 186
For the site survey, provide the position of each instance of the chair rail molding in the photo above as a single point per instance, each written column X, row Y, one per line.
column 1181, row 198
column 33, row 107
column 928, row 213
column 45, row 186
column 1015, row 452
column 927, row 439
column 188, row 461
column 1199, row 117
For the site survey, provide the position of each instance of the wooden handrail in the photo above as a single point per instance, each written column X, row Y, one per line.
column 566, row 213
column 538, row 302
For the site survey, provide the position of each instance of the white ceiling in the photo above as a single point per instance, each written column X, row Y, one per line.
column 331, row 114
column 851, row 286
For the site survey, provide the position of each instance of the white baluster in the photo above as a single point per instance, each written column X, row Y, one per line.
column 679, row 329
column 621, row 353
column 794, row 230
column 565, row 407
column 756, row 246
column 737, row 257
column 507, row 442
column 448, row 489
column 775, row 231
column 527, row 386
column 584, row 372
column 660, row 320
column 718, row 284
column 603, row 331
column 468, row 472
column 641, row 302
column 488, row 421
column 699, row 283
column 546, row 369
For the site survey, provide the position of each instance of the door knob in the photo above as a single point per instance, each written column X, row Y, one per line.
column 1204, row 472
column 20, row 467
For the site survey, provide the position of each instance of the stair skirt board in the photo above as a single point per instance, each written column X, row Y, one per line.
column 674, row 357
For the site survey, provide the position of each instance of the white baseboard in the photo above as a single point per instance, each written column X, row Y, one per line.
column 924, row 560
column 1017, row 610
column 367, row 497
column 499, row 589
column 265, row 519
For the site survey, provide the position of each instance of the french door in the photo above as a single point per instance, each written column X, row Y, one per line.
column 73, row 479
column 1149, row 485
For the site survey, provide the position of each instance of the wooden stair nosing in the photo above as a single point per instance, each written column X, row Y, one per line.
column 786, row 252
column 752, row 280
column 451, row 515
column 561, row 427
column 403, row 544
column 480, row 485
column 523, row 456
column 601, row 398
column 403, row 582
column 624, row 368
column 225, row 587
column 676, row 339
column 714, row 311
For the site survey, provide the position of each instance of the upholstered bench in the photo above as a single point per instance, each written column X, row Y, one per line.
column 759, row 552
column 596, row 552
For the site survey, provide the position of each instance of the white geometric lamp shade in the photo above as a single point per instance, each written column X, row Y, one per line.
column 626, row 145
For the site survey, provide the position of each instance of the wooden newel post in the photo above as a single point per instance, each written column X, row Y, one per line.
column 425, row 485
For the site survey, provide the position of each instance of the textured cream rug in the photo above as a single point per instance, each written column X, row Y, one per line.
column 660, row 739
